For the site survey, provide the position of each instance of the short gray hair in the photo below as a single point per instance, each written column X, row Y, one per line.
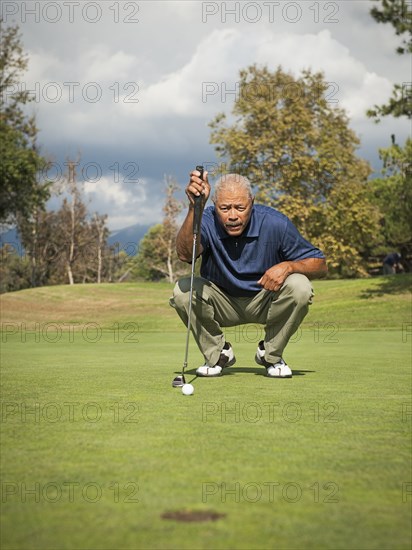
column 232, row 180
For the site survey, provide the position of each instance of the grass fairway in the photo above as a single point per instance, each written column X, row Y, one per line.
column 96, row 446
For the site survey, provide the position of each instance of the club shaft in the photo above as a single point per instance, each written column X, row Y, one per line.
column 197, row 215
column 192, row 274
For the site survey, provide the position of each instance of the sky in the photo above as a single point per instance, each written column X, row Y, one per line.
column 129, row 87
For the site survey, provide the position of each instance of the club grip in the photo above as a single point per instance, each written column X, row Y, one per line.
column 198, row 207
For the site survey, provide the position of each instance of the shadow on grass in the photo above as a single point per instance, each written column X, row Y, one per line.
column 261, row 371
column 391, row 284
column 247, row 370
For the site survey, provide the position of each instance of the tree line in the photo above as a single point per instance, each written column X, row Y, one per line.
column 296, row 148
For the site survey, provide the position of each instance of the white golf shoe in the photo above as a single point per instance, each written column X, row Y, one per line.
column 227, row 359
column 273, row 370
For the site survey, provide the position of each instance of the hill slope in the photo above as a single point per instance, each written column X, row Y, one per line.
column 382, row 302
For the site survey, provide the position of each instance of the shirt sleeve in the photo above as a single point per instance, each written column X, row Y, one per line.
column 294, row 247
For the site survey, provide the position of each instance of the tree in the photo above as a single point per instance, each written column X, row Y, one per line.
column 301, row 154
column 66, row 245
column 171, row 210
column 393, row 195
column 38, row 235
column 157, row 258
column 14, row 270
column 393, row 192
column 80, row 241
column 399, row 14
column 20, row 191
column 100, row 232
column 151, row 261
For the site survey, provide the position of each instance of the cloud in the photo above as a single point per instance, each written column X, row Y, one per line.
column 105, row 101
column 208, row 81
column 165, row 77
column 352, row 86
column 127, row 203
column 105, row 66
column 180, row 92
column 367, row 91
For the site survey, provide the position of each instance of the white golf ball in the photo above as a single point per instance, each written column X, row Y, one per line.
column 188, row 389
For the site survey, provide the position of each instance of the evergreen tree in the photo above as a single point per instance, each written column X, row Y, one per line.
column 21, row 193
column 399, row 14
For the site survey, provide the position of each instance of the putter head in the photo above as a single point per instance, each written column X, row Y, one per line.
column 179, row 381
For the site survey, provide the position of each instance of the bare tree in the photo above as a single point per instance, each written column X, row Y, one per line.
column 157, row 258
column 80, row 242
column 171, row 210
column 99, row 226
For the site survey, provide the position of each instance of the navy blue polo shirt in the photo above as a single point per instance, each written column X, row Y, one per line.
column 236, row 263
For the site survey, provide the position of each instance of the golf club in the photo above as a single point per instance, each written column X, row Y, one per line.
column 179, row 380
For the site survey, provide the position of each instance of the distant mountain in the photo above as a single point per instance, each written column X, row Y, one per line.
column 128, row 239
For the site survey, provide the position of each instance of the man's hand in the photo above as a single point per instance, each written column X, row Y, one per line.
column 184, row 241
column 197, row 187
column 275, row 276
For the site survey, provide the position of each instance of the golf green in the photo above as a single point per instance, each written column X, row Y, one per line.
column 100, row 452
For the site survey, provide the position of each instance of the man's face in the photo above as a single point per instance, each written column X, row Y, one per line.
column 233, row 209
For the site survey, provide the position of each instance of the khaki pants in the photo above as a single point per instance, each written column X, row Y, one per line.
column 280, row 312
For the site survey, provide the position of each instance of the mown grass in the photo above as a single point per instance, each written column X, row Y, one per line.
column 92, row 427
column 353, row 303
